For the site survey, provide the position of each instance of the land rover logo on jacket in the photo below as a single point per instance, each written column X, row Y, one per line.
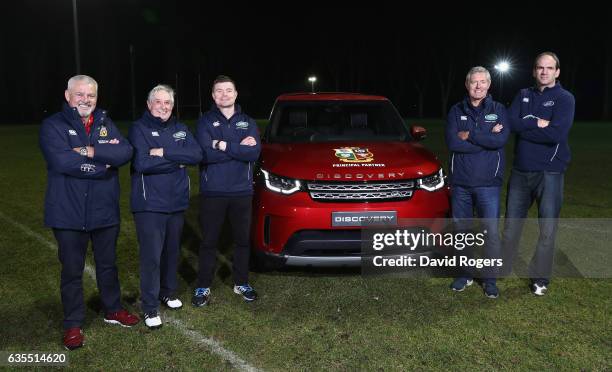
column 491, row 117
column 180, row 135
column 354, row 155
column 548, row 103
column 242, row 125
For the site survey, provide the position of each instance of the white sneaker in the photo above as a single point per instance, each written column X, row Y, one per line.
column 539, row 289
column 171, row 303
column 152, row 320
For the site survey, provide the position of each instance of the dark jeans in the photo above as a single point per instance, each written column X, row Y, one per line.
column 159, row 238
column 72, row 248
column 546, row 189
column 212, row 216
column 486, row 202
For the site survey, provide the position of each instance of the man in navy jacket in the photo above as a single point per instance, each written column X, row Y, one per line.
column 230, row 142
column 160, row 195
column 476, row 135
column 83, row 150
column 541, row 117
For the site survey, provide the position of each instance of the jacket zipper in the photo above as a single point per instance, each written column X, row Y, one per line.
column 498, row 161
column 144, row 192
column 556, row 149
column 189, row 183
column 249, row 172
column 452, row 162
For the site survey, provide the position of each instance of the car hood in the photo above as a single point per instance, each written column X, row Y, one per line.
column 355, row 161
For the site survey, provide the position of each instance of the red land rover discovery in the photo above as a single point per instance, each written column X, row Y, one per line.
column 330, row 163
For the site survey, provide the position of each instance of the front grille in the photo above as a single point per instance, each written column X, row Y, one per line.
column 353, row 191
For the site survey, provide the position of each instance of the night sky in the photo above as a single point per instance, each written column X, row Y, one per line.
column 416, row 57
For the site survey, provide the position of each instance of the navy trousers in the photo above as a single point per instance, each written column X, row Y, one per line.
column 159, row 238
column 486, row 202
column 72, row 249
column 546, row 189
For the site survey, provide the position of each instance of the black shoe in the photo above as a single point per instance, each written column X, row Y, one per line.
column 200, row 297
column 490, row 290
column 246, row 291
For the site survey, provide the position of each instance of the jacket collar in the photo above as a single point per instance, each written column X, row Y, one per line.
column 155, row 122
column 484, row 106
column 554, row 88
column 72, row 116
column 237, row 111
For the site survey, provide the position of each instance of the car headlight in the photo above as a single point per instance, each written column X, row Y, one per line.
column 433, row 182
column 280, row 184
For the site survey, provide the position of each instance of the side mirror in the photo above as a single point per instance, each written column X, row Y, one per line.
column 418, row 133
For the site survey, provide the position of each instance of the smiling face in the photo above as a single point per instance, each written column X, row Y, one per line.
column 83, row 96
column 546, row 71
column 160, row 105
column 224, row 94
column 478, row 86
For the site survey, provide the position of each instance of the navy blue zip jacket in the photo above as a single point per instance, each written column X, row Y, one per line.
column 229, row 172
column 82, row 193
column 161, row 184
column 542, row 149
column 479, row 160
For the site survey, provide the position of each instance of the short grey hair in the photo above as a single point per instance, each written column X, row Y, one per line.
column 78, row 78
column 159, row 88
column 475, row 70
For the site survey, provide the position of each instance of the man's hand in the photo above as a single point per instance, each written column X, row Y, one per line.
column 159, row 151
column 543, row 123
column 497, row 128
column 463, row 135
column 248, row 141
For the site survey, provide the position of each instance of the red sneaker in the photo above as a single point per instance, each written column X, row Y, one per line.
column 121, row 317
column 73, row 338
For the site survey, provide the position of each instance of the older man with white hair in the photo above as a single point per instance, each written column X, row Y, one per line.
column 83, row 150
column 160, row 196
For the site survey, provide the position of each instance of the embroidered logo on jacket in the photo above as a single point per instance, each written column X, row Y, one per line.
column 155, row 134
column 216, row 124
column 463, row 117
column 548, row 103
column 525, row 99
column 72, row 132
column 103, row 131
column 242, row 125
column 88, row 168
column 179, row 135
column 491, row 117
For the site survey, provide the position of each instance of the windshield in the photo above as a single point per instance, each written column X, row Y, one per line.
column 322, row 121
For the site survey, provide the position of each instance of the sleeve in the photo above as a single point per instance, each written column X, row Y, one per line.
column 490, row 140
column 518, row 122
column 559, row 126
column 142, row 161
column 244, row 152
column 117, row 154
column 63, row 159
column 188, row 153
column 454, row 143
column 204, row 139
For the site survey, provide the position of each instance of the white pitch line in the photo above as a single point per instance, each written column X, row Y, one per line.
column 214, row 345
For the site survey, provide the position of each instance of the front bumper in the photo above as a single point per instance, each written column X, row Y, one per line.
column 299, row 231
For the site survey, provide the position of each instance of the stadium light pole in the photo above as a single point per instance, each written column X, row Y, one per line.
column 502, row 68
column 77, row 52
column 312, row 80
